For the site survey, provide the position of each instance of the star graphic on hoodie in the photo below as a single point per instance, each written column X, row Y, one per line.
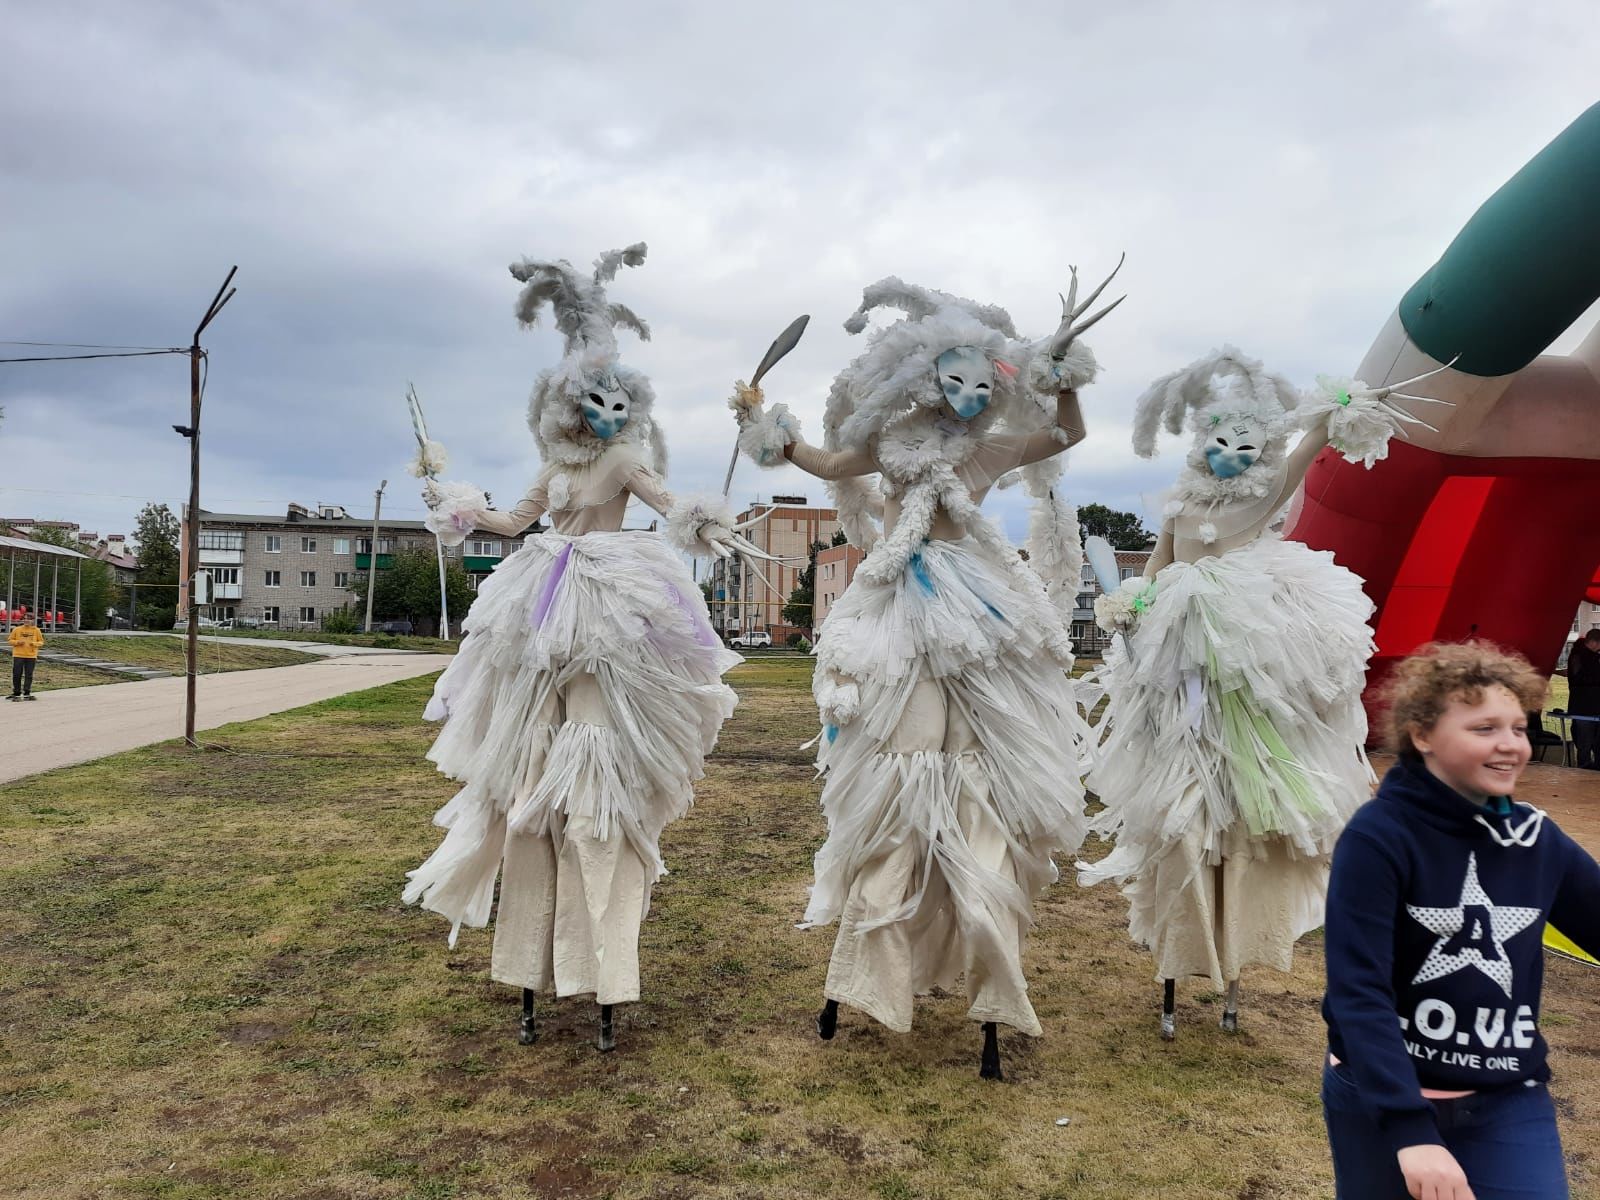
column 1472, row 934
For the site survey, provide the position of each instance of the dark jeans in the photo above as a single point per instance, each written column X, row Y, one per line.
column 22, row 676
column 1583, row 700
column 1505, row 1140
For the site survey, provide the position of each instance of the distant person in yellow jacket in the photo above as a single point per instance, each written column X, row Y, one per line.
column 25, row 641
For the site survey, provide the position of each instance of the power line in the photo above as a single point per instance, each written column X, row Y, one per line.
column 79, row 357
column 88, row 346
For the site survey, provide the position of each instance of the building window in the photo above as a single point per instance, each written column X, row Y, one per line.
column 341, row 579
column 274, row 544
column 224, row 574
column 341, row 545
column 485, row 549
column 308, row 545
column 308, row 579
column 274, row 579
column 308, row 615
column 269, row 615
column 385, row 545
column 212, row 540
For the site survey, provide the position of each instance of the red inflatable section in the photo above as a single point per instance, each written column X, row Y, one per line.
column 1453, row 547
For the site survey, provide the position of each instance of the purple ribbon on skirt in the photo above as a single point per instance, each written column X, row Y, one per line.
column 548, row 595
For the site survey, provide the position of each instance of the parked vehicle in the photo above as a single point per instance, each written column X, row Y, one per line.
column 182, row 624
column 393, row 627
column 751, row 640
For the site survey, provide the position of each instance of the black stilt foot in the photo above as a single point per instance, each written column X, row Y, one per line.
column 527, row 1031
column 608, row 1032
column 989, row 1067
column 828, row 1020
column 1230, row 1009
column 1169, row 1010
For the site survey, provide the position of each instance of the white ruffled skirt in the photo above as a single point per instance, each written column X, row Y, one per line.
column 1231, row 755
column 578, row 714
column 950, row 747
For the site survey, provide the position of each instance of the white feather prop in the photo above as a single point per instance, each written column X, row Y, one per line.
column 429, row 461
column 453, row 510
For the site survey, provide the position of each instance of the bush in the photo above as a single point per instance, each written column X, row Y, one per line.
column 803, row 646
column 343, row 620
column 386, row 641
column 794, row 639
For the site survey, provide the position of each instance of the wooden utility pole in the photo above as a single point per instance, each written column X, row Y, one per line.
column 192, row 432
column 372, row 555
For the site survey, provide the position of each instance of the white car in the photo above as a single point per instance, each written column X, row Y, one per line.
column 749, row 641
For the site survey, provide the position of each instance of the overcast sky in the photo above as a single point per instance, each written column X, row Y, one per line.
column 1277, row 173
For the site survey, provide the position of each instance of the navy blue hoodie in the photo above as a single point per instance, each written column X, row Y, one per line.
column 1435, row 925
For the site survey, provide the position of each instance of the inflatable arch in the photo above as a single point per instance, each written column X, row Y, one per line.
column 1489, row 527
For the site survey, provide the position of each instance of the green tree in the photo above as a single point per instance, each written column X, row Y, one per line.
column 1123, row 530
column 409, row 587
column 97, row 583
column 156, row 530
column 798, row 608
column 839, row 538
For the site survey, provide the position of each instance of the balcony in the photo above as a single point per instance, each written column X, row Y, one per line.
column 221, row 558
column 364, row 562
column 227, row 591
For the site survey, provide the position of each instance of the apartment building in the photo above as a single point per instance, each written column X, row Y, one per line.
column 1087, row 637
column 740, row 599
column 291, row 571
column 836, row 567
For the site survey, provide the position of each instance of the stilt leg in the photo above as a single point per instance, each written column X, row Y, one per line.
column 828, row 1020
column 989, row 1067
column 1169, row 1013
column 1230, row 1008
column 608, row 1033
column 527, row 1032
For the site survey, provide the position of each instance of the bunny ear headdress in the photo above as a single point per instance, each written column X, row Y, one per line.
column 588, row 321
column 1225, row 382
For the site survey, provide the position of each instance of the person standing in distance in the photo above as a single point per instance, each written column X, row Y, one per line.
column 25, row 641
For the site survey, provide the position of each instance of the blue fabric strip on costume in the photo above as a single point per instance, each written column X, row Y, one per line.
column 920, row 570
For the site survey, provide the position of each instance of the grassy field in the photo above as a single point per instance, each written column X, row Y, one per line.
column 384, row 641
column 211, row 990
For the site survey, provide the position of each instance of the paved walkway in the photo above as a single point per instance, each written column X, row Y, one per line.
column 75, row 725
column 100, row 664
column 320, row 649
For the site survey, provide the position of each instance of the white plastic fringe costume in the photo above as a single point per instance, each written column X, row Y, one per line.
column 588, row 691
column 951, row 733
column 1230, row 755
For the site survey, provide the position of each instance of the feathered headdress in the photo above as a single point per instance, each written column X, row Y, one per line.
column 588, row 321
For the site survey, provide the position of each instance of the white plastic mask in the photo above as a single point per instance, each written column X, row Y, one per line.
column 967, row 377
column 605, row 407
column 1233, row 444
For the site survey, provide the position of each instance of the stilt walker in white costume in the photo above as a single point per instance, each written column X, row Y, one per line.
column 588, row 691
column 951, row 736
column 1231, row 752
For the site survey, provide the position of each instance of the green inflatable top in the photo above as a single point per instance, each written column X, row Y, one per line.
column 1524, row 267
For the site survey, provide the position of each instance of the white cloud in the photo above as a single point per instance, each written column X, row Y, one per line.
column 1278, row 175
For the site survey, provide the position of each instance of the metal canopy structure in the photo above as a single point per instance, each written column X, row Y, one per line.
column 21, row 550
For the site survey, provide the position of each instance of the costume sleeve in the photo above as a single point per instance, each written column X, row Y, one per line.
column 513, row 521
column 1007, row 451
column 695, row 524
column 651, row 488
column 829, row 464
column 1363, row 898
column 1576, row 911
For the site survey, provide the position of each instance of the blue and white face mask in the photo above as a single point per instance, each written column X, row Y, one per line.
column 1234, row 444
column 605, row 407
column 966, row 376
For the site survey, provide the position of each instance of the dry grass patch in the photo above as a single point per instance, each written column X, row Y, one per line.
column 169, row 653
column 211, row 990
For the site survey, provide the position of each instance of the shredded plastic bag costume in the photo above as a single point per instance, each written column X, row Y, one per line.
column 1230, row 754
column 588, row 690
column 951, row 733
